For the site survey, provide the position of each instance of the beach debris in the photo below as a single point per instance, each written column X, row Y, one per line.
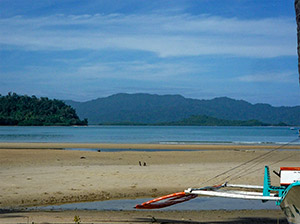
column 77, row 219
column 154, row 190
column 82, row 157
column 142, row 163
column 153, row 219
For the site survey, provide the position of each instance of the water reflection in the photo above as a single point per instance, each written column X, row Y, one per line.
column 200, row 203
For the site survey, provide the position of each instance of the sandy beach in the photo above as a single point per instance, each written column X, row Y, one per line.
column 43, row 174
column 165, row 217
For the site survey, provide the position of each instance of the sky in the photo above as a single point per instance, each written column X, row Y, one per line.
column 201, row 49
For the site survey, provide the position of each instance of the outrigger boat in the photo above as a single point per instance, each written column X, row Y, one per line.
column 287, row 195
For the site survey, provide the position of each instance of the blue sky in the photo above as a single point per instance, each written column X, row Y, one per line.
column 82, row 50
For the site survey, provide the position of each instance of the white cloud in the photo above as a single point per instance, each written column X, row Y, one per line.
column 286, row 77
column 139, row 71
column 164, row 35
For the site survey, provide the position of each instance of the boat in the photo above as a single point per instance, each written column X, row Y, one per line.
column 287, row 195
column 290, row 200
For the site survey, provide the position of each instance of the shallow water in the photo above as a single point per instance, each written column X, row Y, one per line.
column 200, row 203
column 151, row 134
column 165, row 150
column 132, row 150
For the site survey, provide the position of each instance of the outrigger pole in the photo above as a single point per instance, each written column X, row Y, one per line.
column 267, row 192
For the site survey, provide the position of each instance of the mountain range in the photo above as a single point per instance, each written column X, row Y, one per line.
column 152, row 109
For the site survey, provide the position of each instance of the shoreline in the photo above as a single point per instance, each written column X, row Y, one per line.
column 59, row 146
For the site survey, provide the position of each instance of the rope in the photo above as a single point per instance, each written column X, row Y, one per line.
column 256, row 160
column 270, row 164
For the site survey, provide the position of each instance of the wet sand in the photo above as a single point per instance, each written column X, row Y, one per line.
column 36, row 174
column 166, row 217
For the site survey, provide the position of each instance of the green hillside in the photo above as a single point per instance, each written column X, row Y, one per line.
column 200, row 120
column 152, row 109
column 203, row 120
column 33, row 111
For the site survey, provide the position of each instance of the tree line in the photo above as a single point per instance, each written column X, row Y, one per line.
column 23, row 110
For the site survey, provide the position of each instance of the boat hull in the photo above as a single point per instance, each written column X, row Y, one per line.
column 290, row 204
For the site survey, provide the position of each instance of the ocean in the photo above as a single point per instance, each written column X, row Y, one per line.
column 151, row 134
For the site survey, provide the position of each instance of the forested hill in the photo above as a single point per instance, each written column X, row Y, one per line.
column 153, row 109
column 25, row 110
column 203, row 120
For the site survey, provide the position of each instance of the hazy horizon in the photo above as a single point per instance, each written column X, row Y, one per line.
column 95, row 98
column 170, row 95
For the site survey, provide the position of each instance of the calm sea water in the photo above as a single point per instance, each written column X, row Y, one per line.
column 151, row 134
